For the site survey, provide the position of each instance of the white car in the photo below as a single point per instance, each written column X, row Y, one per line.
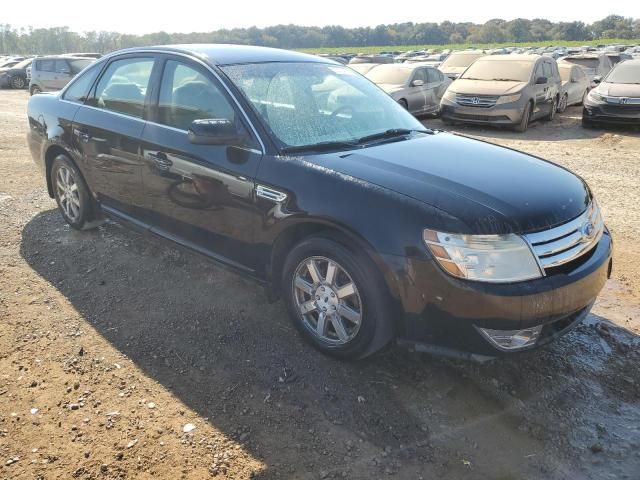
column 575, row 85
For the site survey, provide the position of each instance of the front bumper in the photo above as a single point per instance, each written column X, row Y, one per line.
column 444, row 314
column 611, row 113
column 503, row 114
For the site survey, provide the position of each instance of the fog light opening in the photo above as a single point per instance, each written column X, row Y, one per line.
column 512, row 339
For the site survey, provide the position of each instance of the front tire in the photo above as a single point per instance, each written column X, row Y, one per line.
column 72, row 194
column 337, row 299
column 403, row 103
column 526, row 118
column 35, row 90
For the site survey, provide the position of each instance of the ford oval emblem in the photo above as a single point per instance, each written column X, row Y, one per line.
column 588, row 231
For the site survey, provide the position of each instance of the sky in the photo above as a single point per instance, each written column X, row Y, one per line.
column 139, row 17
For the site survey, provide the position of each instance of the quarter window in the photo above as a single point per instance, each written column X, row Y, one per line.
column 186, row 95
column 123, row 86
column 77, row 91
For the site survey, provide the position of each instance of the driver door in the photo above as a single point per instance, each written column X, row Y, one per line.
column 417, row 95
column 199, row 195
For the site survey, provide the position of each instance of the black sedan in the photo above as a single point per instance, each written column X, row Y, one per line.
column 300, row 173
column 617, row 98
column 16, row 75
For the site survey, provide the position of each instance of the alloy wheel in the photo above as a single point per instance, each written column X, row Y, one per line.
column 68, row 194
column 17, row 82
column 327, row 300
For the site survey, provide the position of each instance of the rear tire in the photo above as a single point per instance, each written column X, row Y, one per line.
column 346, row 313
column 554, row 109
column 72, row 194
column 526, row 118
column 18, row 82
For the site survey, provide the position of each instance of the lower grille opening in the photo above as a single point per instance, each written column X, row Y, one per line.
column 570, row 266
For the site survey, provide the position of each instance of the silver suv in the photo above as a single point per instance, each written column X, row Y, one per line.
column 53, row 73
column 504, row 90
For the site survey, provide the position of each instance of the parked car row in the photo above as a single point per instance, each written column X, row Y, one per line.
column 54, row 72
column 508, row 90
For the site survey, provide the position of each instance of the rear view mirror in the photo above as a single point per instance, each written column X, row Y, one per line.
column 417, row 83
column 541, row 80
column 214, row 131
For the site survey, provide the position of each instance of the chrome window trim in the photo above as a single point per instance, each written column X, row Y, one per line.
column 108, row 58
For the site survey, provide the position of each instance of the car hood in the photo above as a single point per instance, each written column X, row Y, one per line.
column 490, row 189
column 619, row 90
column 390, row 88
column 481, row 87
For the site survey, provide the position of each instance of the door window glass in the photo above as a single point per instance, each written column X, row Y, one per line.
column 548, row 71
column 123, row 86
column 45, row 65
column 433, row 76
column 62, row 66
column 420, row 74
column 187, row 95
column 539, row 71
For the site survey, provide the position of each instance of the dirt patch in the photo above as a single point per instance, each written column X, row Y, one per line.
column 124, row 357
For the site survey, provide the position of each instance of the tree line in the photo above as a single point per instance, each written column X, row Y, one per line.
column 62, row 40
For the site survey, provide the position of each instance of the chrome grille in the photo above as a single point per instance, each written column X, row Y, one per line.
column 569, row 241
column 481, row 101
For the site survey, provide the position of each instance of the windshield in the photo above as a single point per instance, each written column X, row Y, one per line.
column 461, row 59
column 625, row 73
column 506, row 70
column 304, row 104
column 389, row 74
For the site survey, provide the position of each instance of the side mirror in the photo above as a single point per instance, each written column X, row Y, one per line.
column 417, row 83
column 541, row 80
column 597, row 79
column 213, row 131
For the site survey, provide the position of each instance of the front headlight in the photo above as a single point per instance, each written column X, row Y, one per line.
column 508, row 98
column 596, row 97
column 484, row 258
column 449, row 95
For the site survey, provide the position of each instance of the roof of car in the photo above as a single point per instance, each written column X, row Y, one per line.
column 508, row 58
column 224, row 54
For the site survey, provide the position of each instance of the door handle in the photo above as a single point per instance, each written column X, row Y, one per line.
column 161, row 160
column 83, row 135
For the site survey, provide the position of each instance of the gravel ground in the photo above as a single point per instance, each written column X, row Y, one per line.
column 122, row 356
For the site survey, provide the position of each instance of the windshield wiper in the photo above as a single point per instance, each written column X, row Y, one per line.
column 318, row 147
column 504, row 80
column 391, row 133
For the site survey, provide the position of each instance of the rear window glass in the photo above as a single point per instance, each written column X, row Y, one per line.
column 584, row 62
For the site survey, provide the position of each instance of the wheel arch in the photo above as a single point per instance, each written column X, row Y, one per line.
column 52, row 152
column 298, row 231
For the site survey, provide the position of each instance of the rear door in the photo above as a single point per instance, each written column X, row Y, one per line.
column 45, row 73
column 201, row 195
column 417, row 95
column 541, row 91
column 108, row 130
column 62, row 74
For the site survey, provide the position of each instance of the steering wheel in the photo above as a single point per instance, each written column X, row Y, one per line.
column 341, row 109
